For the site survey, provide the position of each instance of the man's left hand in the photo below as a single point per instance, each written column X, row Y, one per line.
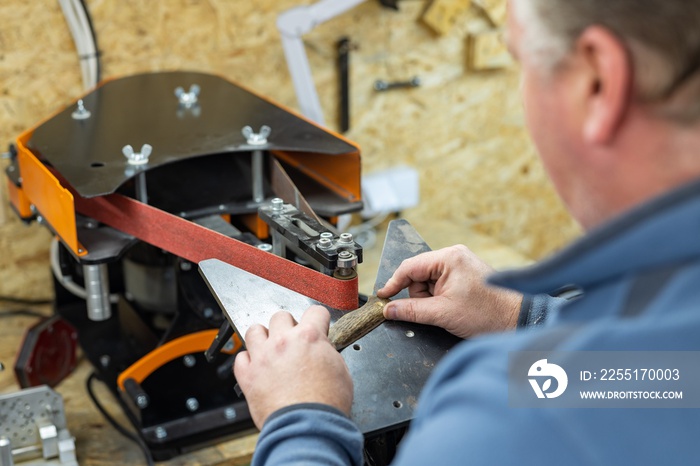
column 292, row 363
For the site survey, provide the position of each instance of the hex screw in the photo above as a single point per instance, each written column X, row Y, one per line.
column 161, row 433
column 277, row 205
column 192, row 404
column 346, row 260
column 189, row 361
column 142, row 401
column 324, row 243
column 185, row 266
column 265, row 247
column 230, row 413
column 104, row 360
column 345, row 238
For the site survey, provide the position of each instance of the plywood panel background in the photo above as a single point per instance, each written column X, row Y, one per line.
column 462, row 130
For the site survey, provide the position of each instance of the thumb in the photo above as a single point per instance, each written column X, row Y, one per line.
column 418, row 310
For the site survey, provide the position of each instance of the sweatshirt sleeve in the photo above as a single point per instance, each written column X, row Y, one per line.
column 535, row 310
column 309, row 434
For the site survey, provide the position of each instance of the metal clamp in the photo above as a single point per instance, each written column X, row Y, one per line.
column 309, row 239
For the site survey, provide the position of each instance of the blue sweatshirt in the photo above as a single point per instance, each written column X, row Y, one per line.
column 639, row 278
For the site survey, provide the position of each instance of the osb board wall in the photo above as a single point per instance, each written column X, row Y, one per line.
column 462, row 130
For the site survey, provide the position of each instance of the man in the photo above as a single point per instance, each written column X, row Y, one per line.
column 611, row 92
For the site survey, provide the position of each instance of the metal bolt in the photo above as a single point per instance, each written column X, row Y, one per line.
column 277, row 205
column 185, row 266
column 229, row 345
column 265, row 247
column 256, row 139
column 192, row 404
column 346, row 260
column 230, row 413
column 327, row 234
column 104, row 360
column 137, row 158
column 410, row 333
column 81, row 113
column 142, row 401
column 161, row 433
column 346, row 238
column 187, row 99
column 324, row 243
column 189, row 361
column 208, row 313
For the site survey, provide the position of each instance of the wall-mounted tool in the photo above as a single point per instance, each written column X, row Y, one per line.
column 381, row 85
column 344, row 82
column 292, row 25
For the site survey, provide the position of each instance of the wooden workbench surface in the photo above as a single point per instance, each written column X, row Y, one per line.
column 97, row 443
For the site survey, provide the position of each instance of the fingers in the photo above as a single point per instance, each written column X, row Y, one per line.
column 255, row 335
column 421, row 268
column 318, row 317
column 240, row 366
column 421, row 310
column 281, row 321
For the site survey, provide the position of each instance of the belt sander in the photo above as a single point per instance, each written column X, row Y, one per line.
column 149, row 176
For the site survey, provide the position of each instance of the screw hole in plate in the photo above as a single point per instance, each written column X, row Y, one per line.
column 356, row 347
column 97, row 164
column 397, row 404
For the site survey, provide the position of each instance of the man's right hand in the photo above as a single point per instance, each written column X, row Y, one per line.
column 447, row 288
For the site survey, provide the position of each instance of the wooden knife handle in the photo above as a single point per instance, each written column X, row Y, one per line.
column 358, row 323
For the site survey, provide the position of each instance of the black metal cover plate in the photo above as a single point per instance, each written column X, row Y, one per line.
column 143, row 109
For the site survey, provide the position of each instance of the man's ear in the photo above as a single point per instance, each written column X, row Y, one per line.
column 610, row 83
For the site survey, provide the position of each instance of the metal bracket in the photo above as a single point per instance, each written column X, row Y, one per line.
column 34, row 427
column 306, row 236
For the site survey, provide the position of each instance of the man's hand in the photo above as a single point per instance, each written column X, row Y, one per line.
column 292, row 363
column 447, row 289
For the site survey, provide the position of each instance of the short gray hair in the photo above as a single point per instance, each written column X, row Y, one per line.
column 662, row 36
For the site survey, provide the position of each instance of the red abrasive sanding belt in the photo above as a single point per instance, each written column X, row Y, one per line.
column 197, row 243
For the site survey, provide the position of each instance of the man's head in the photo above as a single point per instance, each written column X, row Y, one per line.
column 612, row 96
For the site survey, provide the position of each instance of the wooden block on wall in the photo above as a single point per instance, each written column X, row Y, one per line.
column 495, row 10
column 441, row 15
column 487, row 51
